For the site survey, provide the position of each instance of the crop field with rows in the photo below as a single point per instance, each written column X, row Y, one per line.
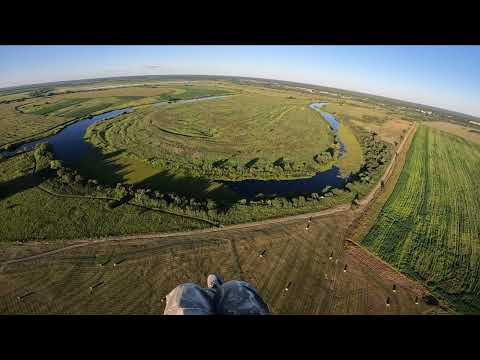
column 429, row 228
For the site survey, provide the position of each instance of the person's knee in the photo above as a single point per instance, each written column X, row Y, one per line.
column 189, row 299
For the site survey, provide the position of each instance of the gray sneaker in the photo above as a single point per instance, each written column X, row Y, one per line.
column 214, row 281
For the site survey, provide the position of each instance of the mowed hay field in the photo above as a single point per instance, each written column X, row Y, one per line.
column 5, row 96
column 468, row 133
column 251, row 134
column 359, row 111
column 389, row 125
column 76, row 105
column 430, row 225
column 146, row 270
column 37, row 115
column 15, row 125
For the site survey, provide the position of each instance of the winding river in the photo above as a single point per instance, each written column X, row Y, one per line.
column 251, row 187
column 69, row 144
column 70, row 147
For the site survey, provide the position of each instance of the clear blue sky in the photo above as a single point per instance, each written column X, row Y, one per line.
column 444, row 76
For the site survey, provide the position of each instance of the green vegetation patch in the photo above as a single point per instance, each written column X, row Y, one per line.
column 430, row 224
column 48, row 107
column 192, row 92
column 353, row 157
column 30, row 115
column 71, row 108
column 28, row 212
column 16, row 126
column 242, row 136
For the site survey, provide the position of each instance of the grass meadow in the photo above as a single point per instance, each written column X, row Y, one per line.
column 248, row 135
column 29, row 213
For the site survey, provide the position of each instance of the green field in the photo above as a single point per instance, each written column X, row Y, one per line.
column 241, row 136
column 14, row 96
column 42, row 112
column 78, row 105
column 16, row 126
column 38, row 203
column 430, row 225
column 30, row 213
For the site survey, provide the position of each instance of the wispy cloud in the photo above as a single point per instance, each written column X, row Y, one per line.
column 164, row 68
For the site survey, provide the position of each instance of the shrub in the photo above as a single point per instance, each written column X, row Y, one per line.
column 67, row 178
column 55, row 164
column 430, row 300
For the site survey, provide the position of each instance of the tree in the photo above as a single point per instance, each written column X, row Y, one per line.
column 430, row 300
column 42, row 149
column 67, row 178
column 78, row 178
column 211, row 204
column 280, row 163
column 120, row 191
column 56, row 164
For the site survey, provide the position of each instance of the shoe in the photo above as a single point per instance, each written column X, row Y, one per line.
column 214, row 281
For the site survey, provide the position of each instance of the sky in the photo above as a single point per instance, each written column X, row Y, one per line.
column 443, row 76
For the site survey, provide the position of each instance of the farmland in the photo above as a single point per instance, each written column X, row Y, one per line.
column 133, row 276
column 16, row 126
column 466, row 132
column 30, row 116
column 170, row 158
column 429, row 227
column 77, row 105
column 163, row 168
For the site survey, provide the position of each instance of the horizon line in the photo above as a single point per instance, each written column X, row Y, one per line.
column 235, row 76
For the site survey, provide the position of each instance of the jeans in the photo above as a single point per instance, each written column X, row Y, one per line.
column 231, row 298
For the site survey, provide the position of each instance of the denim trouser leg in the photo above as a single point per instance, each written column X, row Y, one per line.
column 239, row 298
column 190, row 299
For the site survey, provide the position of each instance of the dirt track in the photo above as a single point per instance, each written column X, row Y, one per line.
column 153, row 236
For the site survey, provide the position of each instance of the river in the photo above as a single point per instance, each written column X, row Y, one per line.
column 70, row 147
